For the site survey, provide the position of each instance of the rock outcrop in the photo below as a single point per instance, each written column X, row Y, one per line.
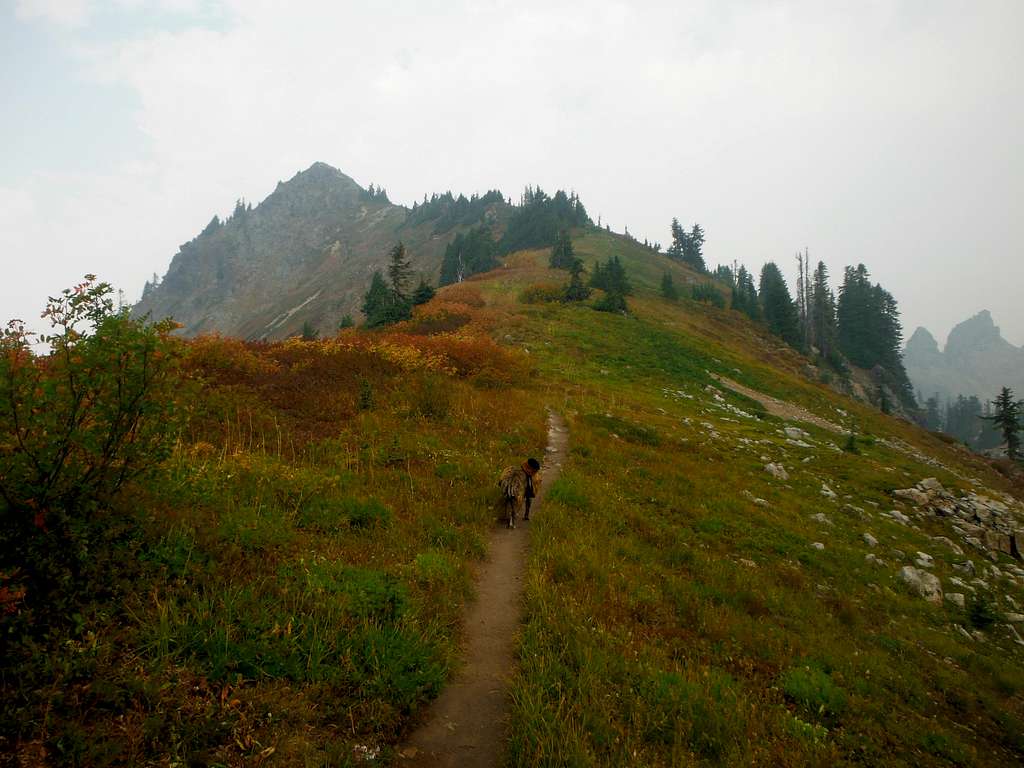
column 922, row 583
column 983, row 523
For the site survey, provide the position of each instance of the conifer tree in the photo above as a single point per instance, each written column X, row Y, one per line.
column 679, row 237
column 744, row 295
column 870, row 334
column 822, row 315
column 693, row 253
column 932, row 417
column 708, row 294
column 377, row 302
column 399, row 271
column 468, row 254
column 612, row 279
column 309, row 333
column 424, row 292
column 562, row 253
column 575, row 289
column 1007, row 418
column 780, row 313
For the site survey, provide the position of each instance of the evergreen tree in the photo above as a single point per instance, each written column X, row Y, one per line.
column 346, row 322
column 562, row 253
column 537, row 220
column 213, row 226
column 693, row 252
column 309, row 333
column 679, row 237
column 990, row 436
column 724, row 274
column 612, row 279
column 855, row 323
column 668, row 288
column 399, row 271
column 424, row 292
column 963, row 419
column 377, row 303
column 822, row 313
column 1007, row 418
column 468, row 254
column 708, row 294
column 576, row 290
column 777, row 305
column 744, row 295
column 932, row 417
column 870, row 334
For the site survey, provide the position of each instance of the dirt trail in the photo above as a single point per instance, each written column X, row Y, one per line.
column 780, row 408
column 467, row 726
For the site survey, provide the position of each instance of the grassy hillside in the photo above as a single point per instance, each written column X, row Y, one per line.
column 302, row 562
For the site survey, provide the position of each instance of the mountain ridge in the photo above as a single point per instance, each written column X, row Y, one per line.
column 976, row 360
column 305, row 254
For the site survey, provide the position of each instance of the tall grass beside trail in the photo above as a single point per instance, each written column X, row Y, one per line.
column 676, row 611
column 287, row 589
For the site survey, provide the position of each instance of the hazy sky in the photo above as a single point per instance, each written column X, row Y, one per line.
column 884, row 132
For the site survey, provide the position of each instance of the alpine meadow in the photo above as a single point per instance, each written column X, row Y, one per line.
column 321, row 472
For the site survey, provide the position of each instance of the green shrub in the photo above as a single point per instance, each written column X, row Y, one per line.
column 100, row 409
column 541, row 293
column 366, row 514
column 981, row 613
column 612, row 301
column 432, row 398
column 97, row 411
column 814, row 690
column 708, row 294
column 320, row 514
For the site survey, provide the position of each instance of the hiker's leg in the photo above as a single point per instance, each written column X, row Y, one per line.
column 527, row 515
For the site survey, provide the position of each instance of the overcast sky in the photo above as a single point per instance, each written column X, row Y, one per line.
column 883, row 132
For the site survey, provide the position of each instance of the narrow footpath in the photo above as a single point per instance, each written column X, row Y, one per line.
column 467, row 726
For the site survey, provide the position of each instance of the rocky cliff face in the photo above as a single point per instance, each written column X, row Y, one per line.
column 305, row 254
column 977, row 361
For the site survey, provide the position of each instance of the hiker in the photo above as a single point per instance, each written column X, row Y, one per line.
column 519, row 485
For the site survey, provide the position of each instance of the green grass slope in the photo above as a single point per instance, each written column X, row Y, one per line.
column 289, row 590
column 678, row 609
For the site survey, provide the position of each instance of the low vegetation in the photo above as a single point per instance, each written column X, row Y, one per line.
column 287, row 584
column 284, row 585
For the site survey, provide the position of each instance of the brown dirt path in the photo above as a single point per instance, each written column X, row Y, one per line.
column 467, row 726
column 780, row 408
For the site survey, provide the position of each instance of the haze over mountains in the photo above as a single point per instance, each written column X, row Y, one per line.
column 977, row 360
column 305, row 254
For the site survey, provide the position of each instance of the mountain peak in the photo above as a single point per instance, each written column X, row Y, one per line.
column 975, row 333
column 921, row 343
column 321, row 173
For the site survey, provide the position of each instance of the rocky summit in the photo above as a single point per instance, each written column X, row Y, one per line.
column 977, row 360
column 305, row 255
